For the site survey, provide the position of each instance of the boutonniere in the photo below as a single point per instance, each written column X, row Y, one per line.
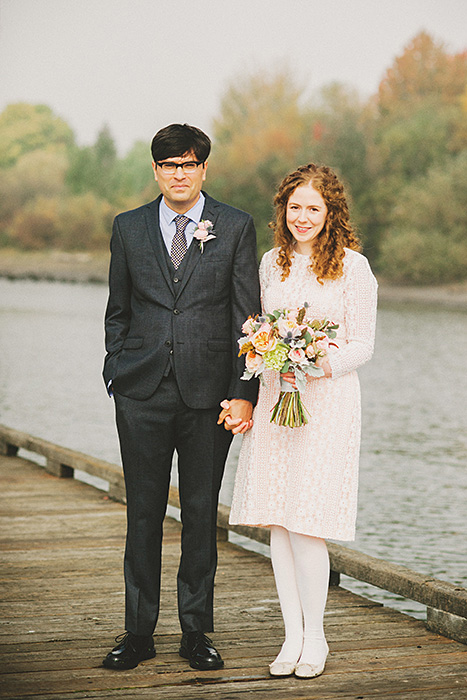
column 204, row 232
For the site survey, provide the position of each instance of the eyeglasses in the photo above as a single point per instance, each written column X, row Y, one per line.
column 169, row 167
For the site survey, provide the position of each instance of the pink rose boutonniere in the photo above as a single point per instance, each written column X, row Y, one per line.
column 204, row 232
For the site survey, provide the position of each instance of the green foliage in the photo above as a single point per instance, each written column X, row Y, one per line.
column 426, row 242
column 96, row 169
column 402, row 156
column 25, row 128
column 135, row 169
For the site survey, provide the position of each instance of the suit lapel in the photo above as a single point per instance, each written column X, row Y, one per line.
column 210, row 212
column 155, row 236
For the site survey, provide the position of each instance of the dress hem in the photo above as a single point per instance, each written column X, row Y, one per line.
column 298, row 531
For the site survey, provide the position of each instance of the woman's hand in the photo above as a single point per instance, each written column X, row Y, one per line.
column 289, row 377
column 325, row 366
column 236, row 415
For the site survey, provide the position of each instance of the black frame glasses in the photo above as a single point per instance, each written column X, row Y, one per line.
column 170, row 167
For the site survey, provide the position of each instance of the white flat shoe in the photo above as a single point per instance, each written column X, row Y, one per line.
column 308, row 670
column 282, row 668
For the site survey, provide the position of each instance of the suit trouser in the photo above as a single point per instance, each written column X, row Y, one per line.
column 149, row 432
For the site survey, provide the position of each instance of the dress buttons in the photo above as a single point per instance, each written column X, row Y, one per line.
column 171, row 352
column 168, row 343
column 176, row 312
column 176, row 279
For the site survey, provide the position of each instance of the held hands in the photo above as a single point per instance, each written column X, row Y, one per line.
column 236, row 415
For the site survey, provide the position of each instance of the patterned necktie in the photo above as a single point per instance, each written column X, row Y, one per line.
column 179, row 247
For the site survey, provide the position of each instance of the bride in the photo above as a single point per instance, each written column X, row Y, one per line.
column 302, row 482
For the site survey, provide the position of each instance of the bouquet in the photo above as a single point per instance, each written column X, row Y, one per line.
column 286, row 340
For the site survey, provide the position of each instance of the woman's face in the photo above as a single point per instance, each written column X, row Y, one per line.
column 305, row 217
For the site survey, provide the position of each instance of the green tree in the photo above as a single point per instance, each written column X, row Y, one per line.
column 96, row 169
column 25, row 128
column 426, row 241
column 136, row 173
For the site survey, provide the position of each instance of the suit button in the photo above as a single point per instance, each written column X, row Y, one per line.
column 176, row 279
column 176, row 312
column 171, row 352
column 168, row 343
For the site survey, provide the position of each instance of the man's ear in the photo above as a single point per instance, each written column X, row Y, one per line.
column 154, row 167
column 205, row 167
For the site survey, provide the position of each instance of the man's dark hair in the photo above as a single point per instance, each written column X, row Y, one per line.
column 175, row 140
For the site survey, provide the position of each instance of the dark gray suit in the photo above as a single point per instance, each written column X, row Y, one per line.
column 172, row 357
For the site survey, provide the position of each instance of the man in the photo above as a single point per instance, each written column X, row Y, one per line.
column 175, row 310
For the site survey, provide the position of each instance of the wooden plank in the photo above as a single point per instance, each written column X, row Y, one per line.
column 436, row 594
column 62, row 604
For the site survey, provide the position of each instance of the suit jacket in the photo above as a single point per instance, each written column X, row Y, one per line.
column 193, row 320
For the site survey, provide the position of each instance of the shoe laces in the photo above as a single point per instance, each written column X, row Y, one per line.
column 122, row 637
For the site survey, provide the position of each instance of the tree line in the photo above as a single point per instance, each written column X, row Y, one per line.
column 402, row 155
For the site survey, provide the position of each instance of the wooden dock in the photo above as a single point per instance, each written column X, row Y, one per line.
column 62, row 604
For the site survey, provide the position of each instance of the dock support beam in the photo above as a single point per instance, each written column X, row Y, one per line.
column 447, row 624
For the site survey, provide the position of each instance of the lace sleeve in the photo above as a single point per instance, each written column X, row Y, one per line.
column 264, row 272
column 360, row 298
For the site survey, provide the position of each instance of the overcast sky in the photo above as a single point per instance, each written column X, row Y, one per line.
column 138, row 65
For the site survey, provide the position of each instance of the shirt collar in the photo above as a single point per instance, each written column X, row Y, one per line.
column 194, row 213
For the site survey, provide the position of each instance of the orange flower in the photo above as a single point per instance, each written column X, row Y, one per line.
column 263, row 339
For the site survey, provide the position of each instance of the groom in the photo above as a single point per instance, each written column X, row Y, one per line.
column 175, row 310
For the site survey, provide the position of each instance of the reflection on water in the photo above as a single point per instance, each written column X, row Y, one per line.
column 414, row 443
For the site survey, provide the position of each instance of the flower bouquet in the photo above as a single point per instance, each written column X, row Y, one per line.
column 286, row 341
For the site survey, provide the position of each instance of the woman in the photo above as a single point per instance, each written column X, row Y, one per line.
column 302, row 482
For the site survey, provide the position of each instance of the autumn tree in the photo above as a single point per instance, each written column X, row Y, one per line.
column 419, row 122
column 424, row 71
column 257, row 139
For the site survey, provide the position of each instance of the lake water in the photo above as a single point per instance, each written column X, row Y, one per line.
column 413, row 484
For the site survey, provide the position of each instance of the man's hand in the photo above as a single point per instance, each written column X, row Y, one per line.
column 236, row 415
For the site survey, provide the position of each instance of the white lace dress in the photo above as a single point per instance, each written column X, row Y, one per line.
column 306, row 479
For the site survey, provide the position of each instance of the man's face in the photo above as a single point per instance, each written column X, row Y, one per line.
column 180, row 188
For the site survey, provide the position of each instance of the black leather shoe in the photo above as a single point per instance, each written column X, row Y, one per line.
column 200, row 652
column 130, row 650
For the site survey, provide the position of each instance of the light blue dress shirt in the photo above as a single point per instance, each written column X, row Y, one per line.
column 167, row 221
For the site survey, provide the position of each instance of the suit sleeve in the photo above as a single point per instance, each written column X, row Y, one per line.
column 118, row 312
column 245, row 301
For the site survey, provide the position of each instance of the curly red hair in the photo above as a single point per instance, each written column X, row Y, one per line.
column 327, row 258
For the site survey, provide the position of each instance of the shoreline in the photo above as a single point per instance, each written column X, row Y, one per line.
column 92, row 268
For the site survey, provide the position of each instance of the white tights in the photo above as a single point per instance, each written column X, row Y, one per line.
column 301, row 571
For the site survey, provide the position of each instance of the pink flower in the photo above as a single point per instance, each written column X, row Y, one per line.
column 253, row 361
column 297, row 355
column 203, row 233
column 248, row 327
column 323, row 344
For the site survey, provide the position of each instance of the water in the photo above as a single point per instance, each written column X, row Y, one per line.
column 413, row 484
